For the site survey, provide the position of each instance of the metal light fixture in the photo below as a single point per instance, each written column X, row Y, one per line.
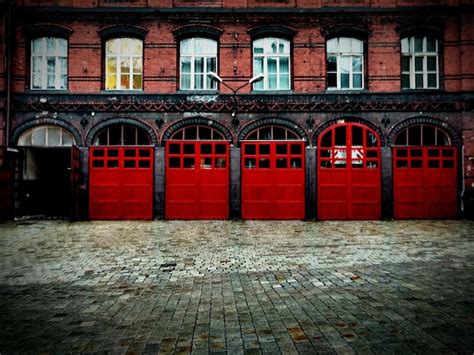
column 213, row 76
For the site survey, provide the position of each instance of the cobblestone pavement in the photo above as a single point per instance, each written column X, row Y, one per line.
column 237, row 287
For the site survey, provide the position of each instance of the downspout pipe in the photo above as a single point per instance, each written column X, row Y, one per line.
column 8, row 50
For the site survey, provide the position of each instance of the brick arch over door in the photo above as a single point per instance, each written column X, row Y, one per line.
column 282, row 122
column 455, row 137
column 320, row 129
column 15, row 135
column 134, row 123
column 196, row 121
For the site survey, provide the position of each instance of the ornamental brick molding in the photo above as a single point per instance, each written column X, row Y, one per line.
column 16, row 133
column 276, row 121
column 455, row 137
column 47, row 29
column 103, row 124
column 196, row 121
column 257, row 103
column 320, row 129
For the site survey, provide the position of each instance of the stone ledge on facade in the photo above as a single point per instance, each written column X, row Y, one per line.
column 246, row 103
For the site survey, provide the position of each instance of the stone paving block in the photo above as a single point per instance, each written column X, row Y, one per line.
column 243, row 287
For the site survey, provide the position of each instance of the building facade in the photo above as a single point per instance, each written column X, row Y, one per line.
column 253, row 109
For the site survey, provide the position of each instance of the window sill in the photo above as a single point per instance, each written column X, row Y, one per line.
column 46, row 91
column 413, row 91
column 347, row 91
column 271, row 92
column 126, row 92
column 198, row 92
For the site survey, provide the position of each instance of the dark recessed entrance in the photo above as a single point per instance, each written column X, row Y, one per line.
column 46, row 179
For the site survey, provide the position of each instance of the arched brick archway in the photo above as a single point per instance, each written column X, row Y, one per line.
column 349, row 171
column 283, row 122
column 455, row 137
column 273, row 169
column 121, row 170
column 425, row 155
column 197, row 169
column 195, row 121
column 104, row 124
column 15, row 135
column 350, row 119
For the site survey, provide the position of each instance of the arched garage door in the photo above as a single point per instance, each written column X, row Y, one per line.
column 197, row 174
column 273, row 174
column 349, row 185
column 424, row 173
column 121, row 174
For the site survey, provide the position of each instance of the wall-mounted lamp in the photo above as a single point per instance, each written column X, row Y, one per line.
column 159, row 122
column 385, row 121
column 84, row 121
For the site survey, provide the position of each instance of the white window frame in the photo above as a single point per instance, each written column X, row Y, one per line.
column 410, row 52
column 118, row 73
column 266, row 56
column 22, row 141
column 346, row 54
column 208, row 84
column 42, row 71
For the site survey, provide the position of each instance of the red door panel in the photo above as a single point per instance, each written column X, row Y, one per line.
column 425, row 182
column 197, row 180
column 349, row 185
column 121, row 183
column 273, row 180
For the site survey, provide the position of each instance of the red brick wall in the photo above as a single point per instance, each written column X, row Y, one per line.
column 241, row 3
column 2, row 80
column 235, row 64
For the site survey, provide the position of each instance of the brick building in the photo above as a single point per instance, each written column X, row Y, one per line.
column 260, row 109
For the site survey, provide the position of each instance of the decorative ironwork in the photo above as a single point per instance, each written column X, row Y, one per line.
column 245, row 103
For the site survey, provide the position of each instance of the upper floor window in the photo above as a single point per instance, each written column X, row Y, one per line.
column 49, row 63
column 123, row 64
column 271, row 57
column 420, row 63
column 345, row 63
column 198, row 56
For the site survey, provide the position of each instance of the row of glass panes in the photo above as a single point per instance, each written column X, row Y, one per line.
column 271, row 57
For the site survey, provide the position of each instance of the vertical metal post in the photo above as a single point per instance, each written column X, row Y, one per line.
column 310, row 183
column 235, row 183
column 160, row 172
column 387, row 183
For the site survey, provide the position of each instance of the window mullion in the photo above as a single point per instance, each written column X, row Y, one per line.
column 130, row 84
column 204, row 79
column 265, row 70
column 57, row 73
column 118, row 72
column 424, row 70
column 192, row 71
column 44, row 72
column 277, row 59
column 351, row 85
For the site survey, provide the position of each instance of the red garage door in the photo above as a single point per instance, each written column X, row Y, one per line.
column 273, row 175
column 349, row 184
column 197, row 180
column 425, row 177
column 121, row 183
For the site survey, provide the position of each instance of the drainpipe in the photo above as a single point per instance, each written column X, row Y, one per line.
column 8, row 69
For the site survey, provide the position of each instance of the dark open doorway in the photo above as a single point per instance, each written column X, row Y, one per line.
column 45, row 187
